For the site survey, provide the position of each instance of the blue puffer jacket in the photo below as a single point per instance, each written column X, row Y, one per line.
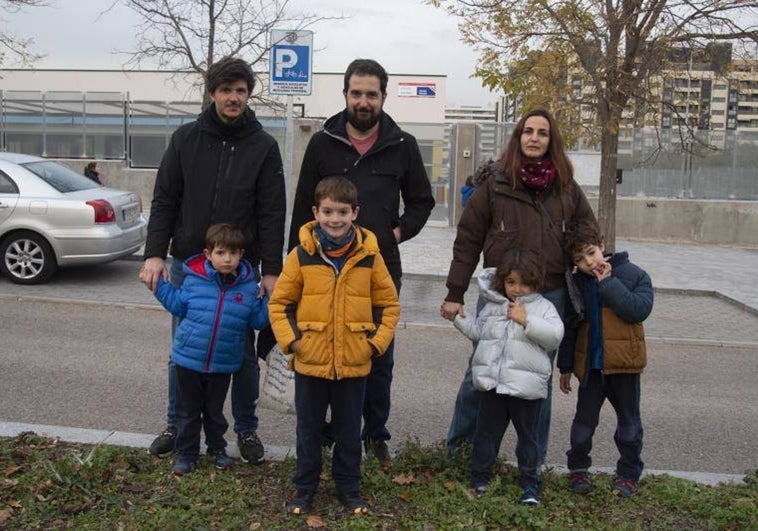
column 215, row 316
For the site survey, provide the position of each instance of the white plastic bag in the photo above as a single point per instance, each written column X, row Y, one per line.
column 278, row 387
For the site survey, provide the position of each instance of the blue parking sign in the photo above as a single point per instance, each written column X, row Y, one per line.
column 290, row 64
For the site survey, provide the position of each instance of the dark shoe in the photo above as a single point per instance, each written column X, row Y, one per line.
column 379, row 449
column 165, row 443
column 182, row 467
column 220, row 460
column 624, row 487
column 580, row 482
column 480, row 491
column 300, row 504
column 251, row 449
column 530, row 495
column 354, row 503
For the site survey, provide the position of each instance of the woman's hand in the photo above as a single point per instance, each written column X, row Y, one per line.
column 449, row 310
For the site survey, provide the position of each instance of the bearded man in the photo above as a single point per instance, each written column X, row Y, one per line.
column 384, row 162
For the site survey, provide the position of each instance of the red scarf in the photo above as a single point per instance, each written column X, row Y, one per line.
column 538, row 176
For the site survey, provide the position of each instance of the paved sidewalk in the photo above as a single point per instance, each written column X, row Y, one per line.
column 730, row 271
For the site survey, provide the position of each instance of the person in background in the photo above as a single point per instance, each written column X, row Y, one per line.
column 92, row 171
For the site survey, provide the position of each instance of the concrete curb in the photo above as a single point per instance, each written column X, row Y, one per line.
column 279, row 453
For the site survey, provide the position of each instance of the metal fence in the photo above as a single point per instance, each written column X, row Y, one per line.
column 109, row 125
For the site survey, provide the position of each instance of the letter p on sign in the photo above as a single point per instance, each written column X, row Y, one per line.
column 283, row 58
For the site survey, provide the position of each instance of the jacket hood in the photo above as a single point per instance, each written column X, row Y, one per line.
column 485, row 280
column 245, row 125
column 616, row 259
column 337, row 126
column 363, row 237
column 200, row 266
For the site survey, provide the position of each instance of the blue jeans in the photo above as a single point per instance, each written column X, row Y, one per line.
column 245, row 381
column 313, row 396
column 463, row 423
column 376, row 406
column 623, row 392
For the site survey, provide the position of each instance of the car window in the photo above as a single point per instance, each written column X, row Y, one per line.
column 60, row 177
column 6, row 185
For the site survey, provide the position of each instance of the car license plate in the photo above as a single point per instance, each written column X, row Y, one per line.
column 130, row 213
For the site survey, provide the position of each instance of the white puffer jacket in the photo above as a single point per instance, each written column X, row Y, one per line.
column 510, row 358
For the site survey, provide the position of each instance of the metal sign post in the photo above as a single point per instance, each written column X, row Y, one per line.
column 290, row 74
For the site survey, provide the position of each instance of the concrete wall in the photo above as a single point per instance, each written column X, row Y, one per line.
column 652, row 219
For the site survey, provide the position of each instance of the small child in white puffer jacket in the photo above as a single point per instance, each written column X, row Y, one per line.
column 511, row 367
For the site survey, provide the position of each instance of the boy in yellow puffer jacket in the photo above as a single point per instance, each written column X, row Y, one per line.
column 334, row 307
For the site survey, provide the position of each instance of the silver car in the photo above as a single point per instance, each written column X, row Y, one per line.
column 50, row 216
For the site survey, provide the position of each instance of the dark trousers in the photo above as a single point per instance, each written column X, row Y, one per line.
column 623, row 392
column 376, row 406
column 200, row 402
column 345, row 399
column 495, row 412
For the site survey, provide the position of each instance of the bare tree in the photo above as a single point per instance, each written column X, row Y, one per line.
column 619, row 46
column 193, row 34
column 13, row 45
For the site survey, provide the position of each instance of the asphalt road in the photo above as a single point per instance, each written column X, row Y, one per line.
column 103, row 366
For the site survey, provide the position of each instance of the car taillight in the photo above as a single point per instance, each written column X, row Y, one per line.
column 104, row 212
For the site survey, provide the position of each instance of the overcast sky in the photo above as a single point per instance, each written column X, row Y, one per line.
column 406, row 36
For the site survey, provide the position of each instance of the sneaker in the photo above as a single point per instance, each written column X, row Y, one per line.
column 251, row 448
column 165, row 443
column 182, row 467
column 300, row 503
column 580, row 482
column 624, row 487
column 220, row 460
column 379, row 449
column 480, row 491
column 354, row 503
column 530, row 495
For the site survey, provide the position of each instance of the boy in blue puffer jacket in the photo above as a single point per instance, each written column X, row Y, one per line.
column 217, row 302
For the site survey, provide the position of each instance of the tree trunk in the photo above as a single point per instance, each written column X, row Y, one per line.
column 608, row 163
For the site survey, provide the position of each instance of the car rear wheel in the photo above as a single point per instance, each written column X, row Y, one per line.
column 27, row 258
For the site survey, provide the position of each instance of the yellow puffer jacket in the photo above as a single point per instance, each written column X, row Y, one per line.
column 338, row 318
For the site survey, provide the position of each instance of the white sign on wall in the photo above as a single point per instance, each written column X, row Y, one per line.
column 291, row 64
column 416, row 90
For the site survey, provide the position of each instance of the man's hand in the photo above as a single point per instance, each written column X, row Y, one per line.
column 267, row 285
column 153, row 268
column 565, row 383
column 517, row 312
column 449, row 310
column 396, row 232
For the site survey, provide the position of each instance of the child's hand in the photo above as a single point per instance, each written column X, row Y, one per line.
column 295, row 346
column 565, row 383
column 602, row 271
column 517, row 312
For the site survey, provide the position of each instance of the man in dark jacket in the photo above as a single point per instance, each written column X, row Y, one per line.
column 221, row 168
column 384, row 162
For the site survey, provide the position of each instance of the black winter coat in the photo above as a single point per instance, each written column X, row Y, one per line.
column 214, row 172
column 392, row 168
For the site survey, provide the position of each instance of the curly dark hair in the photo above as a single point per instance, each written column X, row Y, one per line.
column 580, row 235
column 527, row 263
